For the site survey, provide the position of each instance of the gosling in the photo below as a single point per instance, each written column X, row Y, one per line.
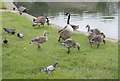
column 97, row 39
column 40, row 40
column 69, row 43
column 41, row 20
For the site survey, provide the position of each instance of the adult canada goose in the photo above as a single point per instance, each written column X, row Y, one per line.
column 40, row 40
column 9, row 30
column 50, row 68
column 96, row 31
column 41, row 20
column 5, row 41
column 68, row 22
column 20, row 35
column 97, row 39
column 69, row 43
column 21, row 9
column 65, row 34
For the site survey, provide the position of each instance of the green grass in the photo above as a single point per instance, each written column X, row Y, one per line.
column 20, row 60
column 2, row 5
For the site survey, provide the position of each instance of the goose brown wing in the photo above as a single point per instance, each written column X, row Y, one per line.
column 70, row 43
column 41, row 40
column 40, row 19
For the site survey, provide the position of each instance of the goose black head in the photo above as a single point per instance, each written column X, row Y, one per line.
column 103, row 34
column 34, row 19
column 88, row 26
column 67, row 14
column 47, row 20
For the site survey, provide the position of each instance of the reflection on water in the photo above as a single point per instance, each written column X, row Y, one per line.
column 101, row 15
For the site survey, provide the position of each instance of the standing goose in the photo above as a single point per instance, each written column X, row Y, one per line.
column 97, row 39
column 69, row 27
column 50, row 68
column 41, row 20
column 66, row 32
column 68, row 22
column 96, row 31
column 40, row 40
column 69, row 43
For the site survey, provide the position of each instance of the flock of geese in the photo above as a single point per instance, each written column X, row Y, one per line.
column 95, row 36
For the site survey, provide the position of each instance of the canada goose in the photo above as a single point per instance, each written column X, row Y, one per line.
column 97, row 39
column 21, row 9
column 40, row 21
column 9, row 30
column 40, row 40
column 20, row 35
column 50, row 68
column 96, row 31
column 68, row 22
column 69, row 43
column 64, row 35
column 5, row 41
column 91, row 35
column 66, row 32
column 47, row 20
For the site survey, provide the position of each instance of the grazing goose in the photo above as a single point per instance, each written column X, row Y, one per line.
column 40, row 21
column 50, row 68
column 97, row 39
column 21, row 9
column 96, row 31
column 69, row 43
column 9, row 30
column 20, row 35
column 5, row 41
column 40, row 40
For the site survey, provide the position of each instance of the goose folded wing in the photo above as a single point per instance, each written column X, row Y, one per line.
column 41, row 39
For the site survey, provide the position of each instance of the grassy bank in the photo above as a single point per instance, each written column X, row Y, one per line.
column 20, row 60
column 2, row 5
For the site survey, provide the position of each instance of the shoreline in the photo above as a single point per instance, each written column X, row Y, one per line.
column 30, row 17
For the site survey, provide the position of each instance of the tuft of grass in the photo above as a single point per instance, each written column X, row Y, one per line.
column 2, row 5
column 20, row 60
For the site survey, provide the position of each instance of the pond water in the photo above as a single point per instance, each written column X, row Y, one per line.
column 101, row 15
